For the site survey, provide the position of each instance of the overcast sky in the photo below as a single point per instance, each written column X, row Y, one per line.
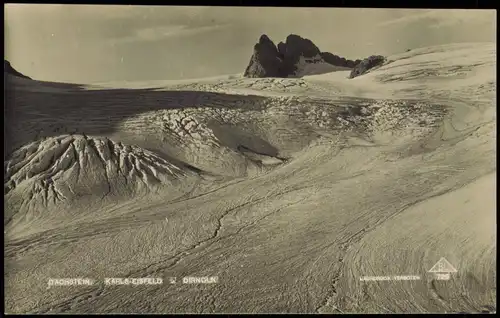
column 90, row 43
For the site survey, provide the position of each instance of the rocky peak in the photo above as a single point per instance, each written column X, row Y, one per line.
column 290, row 57
column 299, row 46
column 265, row 39
column 265, row 61
column 265, row 46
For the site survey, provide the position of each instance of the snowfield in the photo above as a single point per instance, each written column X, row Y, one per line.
column 290, row 191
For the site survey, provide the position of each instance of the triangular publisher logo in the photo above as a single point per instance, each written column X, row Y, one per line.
column 442, row 266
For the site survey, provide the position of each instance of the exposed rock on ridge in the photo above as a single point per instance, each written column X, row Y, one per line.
column 265, row 61
column 295, row 47
column 289, row 57
column 337, row 60
column 366, row 65
column 8, row 69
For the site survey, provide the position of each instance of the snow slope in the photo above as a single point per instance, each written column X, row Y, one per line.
column 289, row 190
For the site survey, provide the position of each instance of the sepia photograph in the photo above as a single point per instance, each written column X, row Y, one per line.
column 236, row 160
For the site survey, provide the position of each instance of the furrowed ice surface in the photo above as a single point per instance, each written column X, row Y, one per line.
column 289, row 190
column 64, row 171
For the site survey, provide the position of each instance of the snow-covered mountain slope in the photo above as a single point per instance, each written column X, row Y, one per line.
column 289, row 190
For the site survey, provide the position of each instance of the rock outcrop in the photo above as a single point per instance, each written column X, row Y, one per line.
column 265, row 61
column 366, row 65
column 293, row 49
column 8, row 69
column 291, row 58
column 339, row 61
